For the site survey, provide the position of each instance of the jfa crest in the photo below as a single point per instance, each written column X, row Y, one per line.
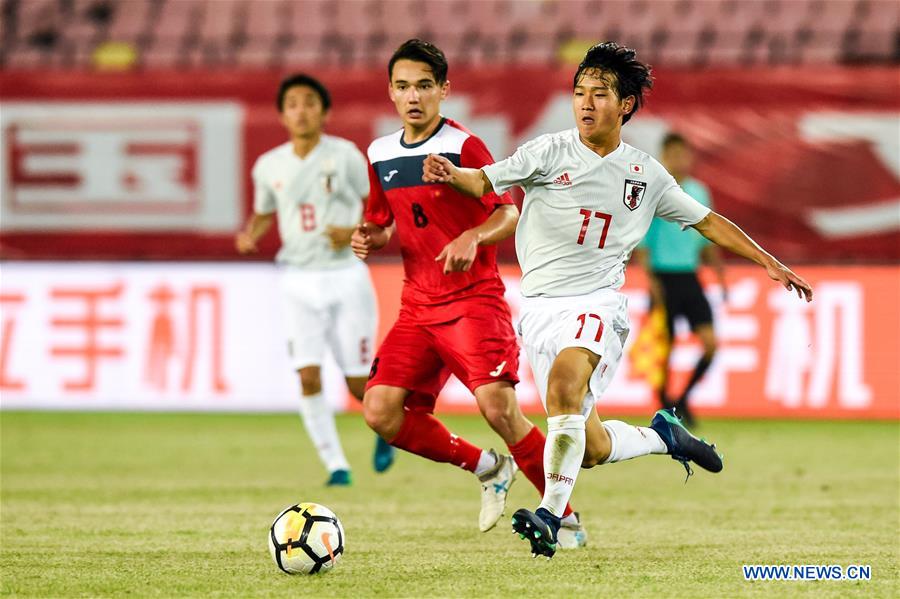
column 634, row 193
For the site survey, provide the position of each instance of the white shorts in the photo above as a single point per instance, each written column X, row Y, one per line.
column 597, row 322
column 333, row 309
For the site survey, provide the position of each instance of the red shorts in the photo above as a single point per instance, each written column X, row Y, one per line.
column 479, row 347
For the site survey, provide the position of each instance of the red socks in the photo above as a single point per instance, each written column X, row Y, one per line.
column 426, row 436
column 529, row 455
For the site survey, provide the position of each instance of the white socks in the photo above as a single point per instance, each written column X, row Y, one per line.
column 319, row 422
column 571, row 520
column 486, row 461
column 563, row 454
column 630, row 441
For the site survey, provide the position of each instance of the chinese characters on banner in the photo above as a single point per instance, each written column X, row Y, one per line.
column 88, row 324
column 10, row 303
column 119, row 166
column 209, row 337
column 161, row 346
column 107, row 336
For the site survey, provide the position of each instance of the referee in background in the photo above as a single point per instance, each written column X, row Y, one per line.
column 671, row 257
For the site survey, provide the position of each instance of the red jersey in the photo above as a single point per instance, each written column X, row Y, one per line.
column 431, row 215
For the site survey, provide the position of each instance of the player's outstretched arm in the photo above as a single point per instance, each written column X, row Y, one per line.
column 459, row 254
column 368, row 237
column 256, row 227
column 726, row 234
column 470, row 181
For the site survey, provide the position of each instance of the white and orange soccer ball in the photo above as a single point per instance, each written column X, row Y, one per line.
column 306, row 538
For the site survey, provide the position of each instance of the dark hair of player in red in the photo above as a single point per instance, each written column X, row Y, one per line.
column 305, row 80
column 631, row 77
column 421, row 51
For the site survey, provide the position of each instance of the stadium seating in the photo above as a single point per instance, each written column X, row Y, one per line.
column 274, row 33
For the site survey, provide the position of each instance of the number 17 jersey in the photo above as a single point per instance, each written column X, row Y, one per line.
column 430, row 215
column 583, row 214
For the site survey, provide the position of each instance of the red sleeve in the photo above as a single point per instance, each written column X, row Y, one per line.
column 378, row 211
column 475, row 154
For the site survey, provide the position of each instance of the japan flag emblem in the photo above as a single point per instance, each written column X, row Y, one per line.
column 636, row 169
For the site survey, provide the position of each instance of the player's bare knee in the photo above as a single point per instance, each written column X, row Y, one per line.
column 498, row 405
column 501, row 417
column 380, row 415
column 564, row 396
column 373, row 411
column 311, row 380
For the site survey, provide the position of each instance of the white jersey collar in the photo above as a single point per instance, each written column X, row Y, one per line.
column 592, row 157
column 312, row 153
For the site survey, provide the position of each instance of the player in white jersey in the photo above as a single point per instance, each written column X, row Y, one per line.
column 316, row 184
column 589, row 199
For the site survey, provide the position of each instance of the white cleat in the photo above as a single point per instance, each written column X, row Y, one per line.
column 571, row 533
column 495, row 485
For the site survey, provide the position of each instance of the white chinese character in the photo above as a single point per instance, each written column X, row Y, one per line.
column 822, row 341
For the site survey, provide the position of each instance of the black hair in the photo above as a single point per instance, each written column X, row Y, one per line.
column 303, row 79
column 631, row 76
column 674, row 138
column 421, row 51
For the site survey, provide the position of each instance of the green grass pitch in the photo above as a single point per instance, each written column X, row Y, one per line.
column 179, row 505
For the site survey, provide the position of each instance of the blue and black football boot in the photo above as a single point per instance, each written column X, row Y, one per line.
column 540, row 528
column 682, row 445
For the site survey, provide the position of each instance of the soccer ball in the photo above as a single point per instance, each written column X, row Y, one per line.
column 306, row 538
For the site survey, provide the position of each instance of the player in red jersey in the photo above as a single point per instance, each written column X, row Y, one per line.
column 453, row 318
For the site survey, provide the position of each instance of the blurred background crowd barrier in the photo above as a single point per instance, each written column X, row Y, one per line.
column 128, row 128
column 278, row 33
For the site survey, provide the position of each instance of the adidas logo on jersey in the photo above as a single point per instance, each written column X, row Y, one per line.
column 562, row 180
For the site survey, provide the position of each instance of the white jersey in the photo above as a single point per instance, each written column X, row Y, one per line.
column 583, row 214
column 309, row 194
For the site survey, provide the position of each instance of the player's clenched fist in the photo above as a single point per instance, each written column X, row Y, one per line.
column 437, row 169
column 244, row 243
column 361, row 242
column 366, row 238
